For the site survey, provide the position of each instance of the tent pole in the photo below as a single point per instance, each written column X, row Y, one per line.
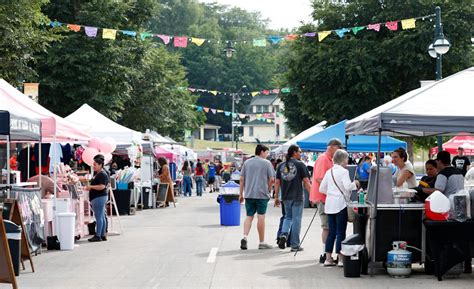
column 55, row 179
column 374, row 215
column 8, row 165
column 39, row 164
column 28, row 162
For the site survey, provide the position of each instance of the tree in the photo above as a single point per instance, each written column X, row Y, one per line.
column 22, row 36
column 341, row 78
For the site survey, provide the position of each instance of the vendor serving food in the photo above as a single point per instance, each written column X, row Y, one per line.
column 405, row 175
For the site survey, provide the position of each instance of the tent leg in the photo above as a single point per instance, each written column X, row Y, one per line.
column 373, row 215
column 8, row 166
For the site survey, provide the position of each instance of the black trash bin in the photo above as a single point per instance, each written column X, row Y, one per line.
column 146, row 197
column 352, row 248
column 14, row 241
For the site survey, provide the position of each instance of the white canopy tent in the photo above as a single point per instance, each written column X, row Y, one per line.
column 442, row 108
column 100, row 126
column 304, row 134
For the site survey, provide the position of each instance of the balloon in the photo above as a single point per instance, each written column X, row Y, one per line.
column 94, row 143
column 108, row 145
column 108, row 158
column 89, row 154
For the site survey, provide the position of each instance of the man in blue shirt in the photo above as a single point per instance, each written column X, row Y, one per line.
column 363, row 171
column 211, row 174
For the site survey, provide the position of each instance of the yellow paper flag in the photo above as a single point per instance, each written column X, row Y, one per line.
column 408, row 23
column 198, row 41
column 109, row 33
column 213, row 92
column 323, row 34
column 220, row 111
column 254, row 93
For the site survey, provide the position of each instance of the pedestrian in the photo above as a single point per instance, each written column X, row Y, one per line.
column 405, row 175
column 219, row 170
column 291, row 176
column 461, row 162
column 337, row 187
column 363, row 171
column 256, row 180
column 211, row 177
column 187, row 180
column 199, row 179
column 321, row 166
column 165, row 178
column 98, row 197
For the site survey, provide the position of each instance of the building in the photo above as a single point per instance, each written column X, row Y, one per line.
column 207, row 132
column 266, row 123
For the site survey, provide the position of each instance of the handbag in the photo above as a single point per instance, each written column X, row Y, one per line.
column 351, row 215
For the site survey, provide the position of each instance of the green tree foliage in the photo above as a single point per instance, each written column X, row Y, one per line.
column 121, row 78
column 22, row 35
column 342, row 78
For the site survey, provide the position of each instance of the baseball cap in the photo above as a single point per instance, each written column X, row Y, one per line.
column 335, row 142
column 444, row 157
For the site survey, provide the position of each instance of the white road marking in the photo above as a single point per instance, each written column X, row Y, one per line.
column 212, row 255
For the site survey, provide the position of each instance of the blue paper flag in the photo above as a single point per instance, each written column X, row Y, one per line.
column 227, row 113
column 341, row 32
column 275, row 39
column 199, row 108
column 129, row 33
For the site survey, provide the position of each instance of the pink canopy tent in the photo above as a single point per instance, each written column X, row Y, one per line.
column 52, row 125
column 167, row 154
column 465, row 141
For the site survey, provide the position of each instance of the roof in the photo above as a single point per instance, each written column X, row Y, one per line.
column 264, row 99
column 257, row 122
column 210, row 126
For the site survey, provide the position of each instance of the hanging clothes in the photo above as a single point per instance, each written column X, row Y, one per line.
column 67, row 153
column 55, row 155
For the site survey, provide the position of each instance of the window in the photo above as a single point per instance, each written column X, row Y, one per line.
column 250, row 130
column 277, row 130
column 276, row 108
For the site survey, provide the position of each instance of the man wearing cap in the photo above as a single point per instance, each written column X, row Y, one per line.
column 461, row 162
column 321, row 166
column 449, row 180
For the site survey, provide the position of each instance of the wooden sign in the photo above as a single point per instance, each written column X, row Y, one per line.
column 15, row 217
column 163, row 192
column 7, row 274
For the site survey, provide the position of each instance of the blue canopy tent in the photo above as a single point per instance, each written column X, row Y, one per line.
column 356, row 143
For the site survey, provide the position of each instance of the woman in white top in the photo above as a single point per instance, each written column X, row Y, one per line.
column 337, row 186
column 405, row 175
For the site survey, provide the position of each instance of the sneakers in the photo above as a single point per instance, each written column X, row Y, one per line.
column 340, row 263
column 103, row 238
column 322, row 258
column 95, row 239
column 264, row 246
column 297, row 249
column 243, row 244
column 329, row 263
column 282, row 242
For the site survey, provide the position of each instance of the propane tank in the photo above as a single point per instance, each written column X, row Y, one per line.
column 399, row 260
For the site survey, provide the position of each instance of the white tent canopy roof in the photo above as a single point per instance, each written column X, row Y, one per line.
column 445, row 107
column 100, row 126
column 301, row 136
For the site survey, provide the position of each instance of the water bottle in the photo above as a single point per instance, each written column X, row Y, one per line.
column 361, row 197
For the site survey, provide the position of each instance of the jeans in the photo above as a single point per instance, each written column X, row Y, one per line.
column 187, row 181
column 98, row 207
column 199, row 185
column 280, row 227
column 337, row 230
column 293, row 216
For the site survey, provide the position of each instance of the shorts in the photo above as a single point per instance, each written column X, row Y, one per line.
column 323, row 216
column 211, row 180
column 258, row 206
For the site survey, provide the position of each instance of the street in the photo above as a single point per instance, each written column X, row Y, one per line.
column 185, row 247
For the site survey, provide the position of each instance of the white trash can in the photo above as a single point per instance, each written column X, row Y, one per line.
column 66, row 224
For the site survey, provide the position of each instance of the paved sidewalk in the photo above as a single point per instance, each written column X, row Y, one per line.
column 170, row 248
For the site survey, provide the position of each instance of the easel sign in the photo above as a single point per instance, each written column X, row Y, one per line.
column 7, row 274
column 162, row 194
column 15, row 216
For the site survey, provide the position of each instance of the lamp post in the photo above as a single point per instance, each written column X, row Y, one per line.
column 229, row 49
column 436, row 50
column 235, row 99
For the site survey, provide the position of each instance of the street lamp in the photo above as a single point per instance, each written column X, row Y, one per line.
column 229, row 49
column 436, row 50
column 235, row 99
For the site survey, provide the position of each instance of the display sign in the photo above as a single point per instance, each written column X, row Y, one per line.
column 31, row 90
column 7, row 274
column 162, row 192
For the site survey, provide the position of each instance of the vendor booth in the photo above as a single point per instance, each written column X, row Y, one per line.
column 356, row 143
column 441, row 108
column 452, row 145
column 301, row 136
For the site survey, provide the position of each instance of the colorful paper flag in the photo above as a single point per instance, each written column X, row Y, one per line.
column 213, row 92
column 74, row 27
column 199, row 108
column 258, row 115
column 191, row 89
column 291, row 37
column 341, row 32
column 234, row 115
column 408, row 23
column 109, row 33
column 276, row 91
column 91, row 31
column 375, row 27
column 206, row 109
column 254, row 93
column 392, row 25
column 266, row 92
column 145, row 35
column 129, row 33
column 259, row 42
column 164, row 38
column 275, row 39
column 180, row 41
column 323, row 34
column 269, row 120
column 242, row 115
column 213, row 110
column 220, row 111
column 227, row 113
column 55, row 24
column 198, row 41
column 355, row 30
column 285, row 90
column 310, row 34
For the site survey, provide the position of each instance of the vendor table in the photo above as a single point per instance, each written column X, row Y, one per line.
column 450, row 243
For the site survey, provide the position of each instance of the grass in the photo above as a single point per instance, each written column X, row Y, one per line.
column 202, row 145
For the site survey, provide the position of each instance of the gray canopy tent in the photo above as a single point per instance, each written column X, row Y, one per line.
column 445, row 107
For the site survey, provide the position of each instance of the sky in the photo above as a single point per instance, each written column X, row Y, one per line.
column 282, row 13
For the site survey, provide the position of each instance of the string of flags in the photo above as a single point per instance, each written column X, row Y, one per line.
column 253, row 93
column 266, row 117
column 184, row 41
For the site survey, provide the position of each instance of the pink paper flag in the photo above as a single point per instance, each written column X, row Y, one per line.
column 393, row 25
column 206, row 109
column 213, row 110
column 180, row 41
column 165, row 38
column 91, row 31
column 375, row 27
column 191, row 89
